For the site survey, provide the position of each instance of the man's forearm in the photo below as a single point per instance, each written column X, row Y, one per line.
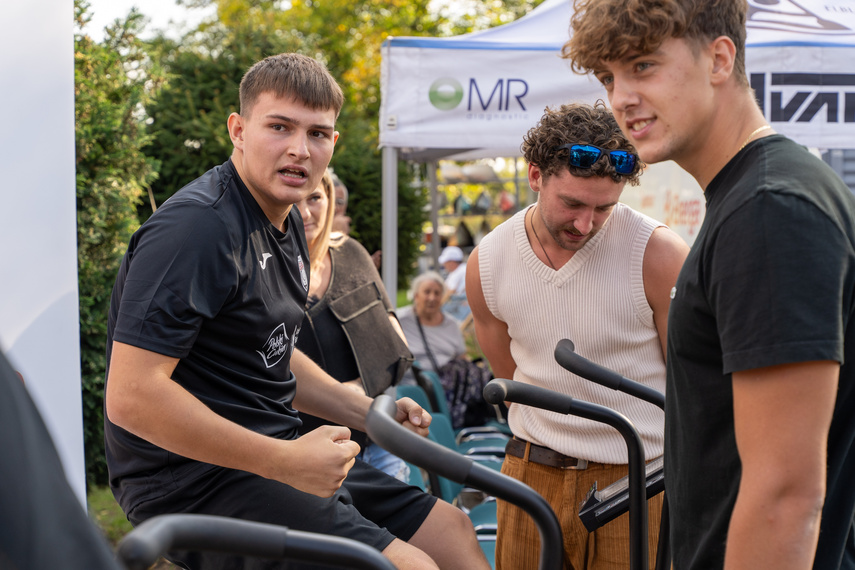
column 321, row 395
column 774, row 532
column 143, row 399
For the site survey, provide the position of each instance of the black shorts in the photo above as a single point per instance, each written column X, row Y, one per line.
column 370, row 507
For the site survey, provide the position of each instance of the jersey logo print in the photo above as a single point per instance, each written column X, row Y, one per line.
column 263, row 259
column 275, row 347
column 303, row 277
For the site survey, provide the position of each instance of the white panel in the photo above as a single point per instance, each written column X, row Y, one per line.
column 39, row 328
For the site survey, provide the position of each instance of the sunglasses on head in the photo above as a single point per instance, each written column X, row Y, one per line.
column 586, row 155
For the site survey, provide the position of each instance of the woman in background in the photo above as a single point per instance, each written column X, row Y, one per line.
column 350, row 329
column 437, row 343
column 434, row 337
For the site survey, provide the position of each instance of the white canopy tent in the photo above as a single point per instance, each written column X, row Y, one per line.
column 476, row 95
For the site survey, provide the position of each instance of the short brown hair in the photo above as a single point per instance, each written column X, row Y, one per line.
column 291, row 75
column 577, row 123
column 609, row 30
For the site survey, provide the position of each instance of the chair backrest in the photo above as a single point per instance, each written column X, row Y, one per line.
column 441, row 432
column 429, row 380
column 417, row 477
column 416, row 393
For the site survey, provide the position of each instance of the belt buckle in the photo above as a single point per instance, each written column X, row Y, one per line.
column 581, row 465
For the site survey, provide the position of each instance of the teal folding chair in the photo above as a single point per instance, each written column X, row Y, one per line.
column 430, row 382
column 417, row 476
column 442, row 433
column 492, row 446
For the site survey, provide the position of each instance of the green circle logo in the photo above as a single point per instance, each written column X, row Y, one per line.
column 445, row 93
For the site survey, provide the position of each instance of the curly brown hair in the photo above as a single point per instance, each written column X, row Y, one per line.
column 609, row 30
column 577, row 123
column 291, row 75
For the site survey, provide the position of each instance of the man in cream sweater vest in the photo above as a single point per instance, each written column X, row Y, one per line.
column 580, row 265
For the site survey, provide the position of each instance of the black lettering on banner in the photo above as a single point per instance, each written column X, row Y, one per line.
column 503, row 93
column 473, row 87
column 783, row 113
column 832, row 91
column 517, row 97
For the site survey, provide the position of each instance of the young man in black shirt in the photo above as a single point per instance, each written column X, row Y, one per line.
column 203, row 377
column 761, row 340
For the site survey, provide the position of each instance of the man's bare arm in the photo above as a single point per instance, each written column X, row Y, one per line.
column 142, row 398
column 396, row 324
column 492, row 334
column 319, row 394
column 781, row 416
column 663, row 259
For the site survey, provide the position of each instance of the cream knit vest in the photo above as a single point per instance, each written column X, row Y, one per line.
column 597, row 300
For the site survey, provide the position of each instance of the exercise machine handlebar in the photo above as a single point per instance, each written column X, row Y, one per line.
column 144, row 545
column 385, row 431
column 503, row 390
column 569, row 359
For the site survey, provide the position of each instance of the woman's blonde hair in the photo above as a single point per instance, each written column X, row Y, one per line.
column 321, row 244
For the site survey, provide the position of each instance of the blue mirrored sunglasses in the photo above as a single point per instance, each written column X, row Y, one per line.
column 586, row 155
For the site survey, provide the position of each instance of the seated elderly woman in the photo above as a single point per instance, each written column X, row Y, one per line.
column 436, row 342
column 433, row 336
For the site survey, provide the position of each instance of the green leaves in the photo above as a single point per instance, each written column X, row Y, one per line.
column 113, row 82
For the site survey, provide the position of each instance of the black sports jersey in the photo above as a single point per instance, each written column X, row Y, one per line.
column 209, row 280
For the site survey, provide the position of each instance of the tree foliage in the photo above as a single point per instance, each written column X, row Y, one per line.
column 111, row 81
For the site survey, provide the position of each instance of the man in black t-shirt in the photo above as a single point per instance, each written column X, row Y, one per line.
column 203, row 376
column 759, row 426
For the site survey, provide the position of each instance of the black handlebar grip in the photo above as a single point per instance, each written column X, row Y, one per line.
column 385, row 431
column 569, row 359
column 392, row 436
column 143, row 546
column 496, row 391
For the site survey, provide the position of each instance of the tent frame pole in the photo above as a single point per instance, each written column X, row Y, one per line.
column 436, row 239
column 389, row 236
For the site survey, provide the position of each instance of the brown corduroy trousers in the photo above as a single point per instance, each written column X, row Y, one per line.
column 607, row 548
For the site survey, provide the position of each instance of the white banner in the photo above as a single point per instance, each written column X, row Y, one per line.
column 477, row 103
column 485, row 90
column 807, row 93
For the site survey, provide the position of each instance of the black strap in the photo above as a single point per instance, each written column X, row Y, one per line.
column 427, row 346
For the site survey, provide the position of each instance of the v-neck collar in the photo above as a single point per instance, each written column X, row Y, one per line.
column 543, row 271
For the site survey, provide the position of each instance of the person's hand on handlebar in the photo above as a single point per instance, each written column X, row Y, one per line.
column 412, row 416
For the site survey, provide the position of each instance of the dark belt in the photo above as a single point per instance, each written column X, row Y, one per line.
column 543, row 455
